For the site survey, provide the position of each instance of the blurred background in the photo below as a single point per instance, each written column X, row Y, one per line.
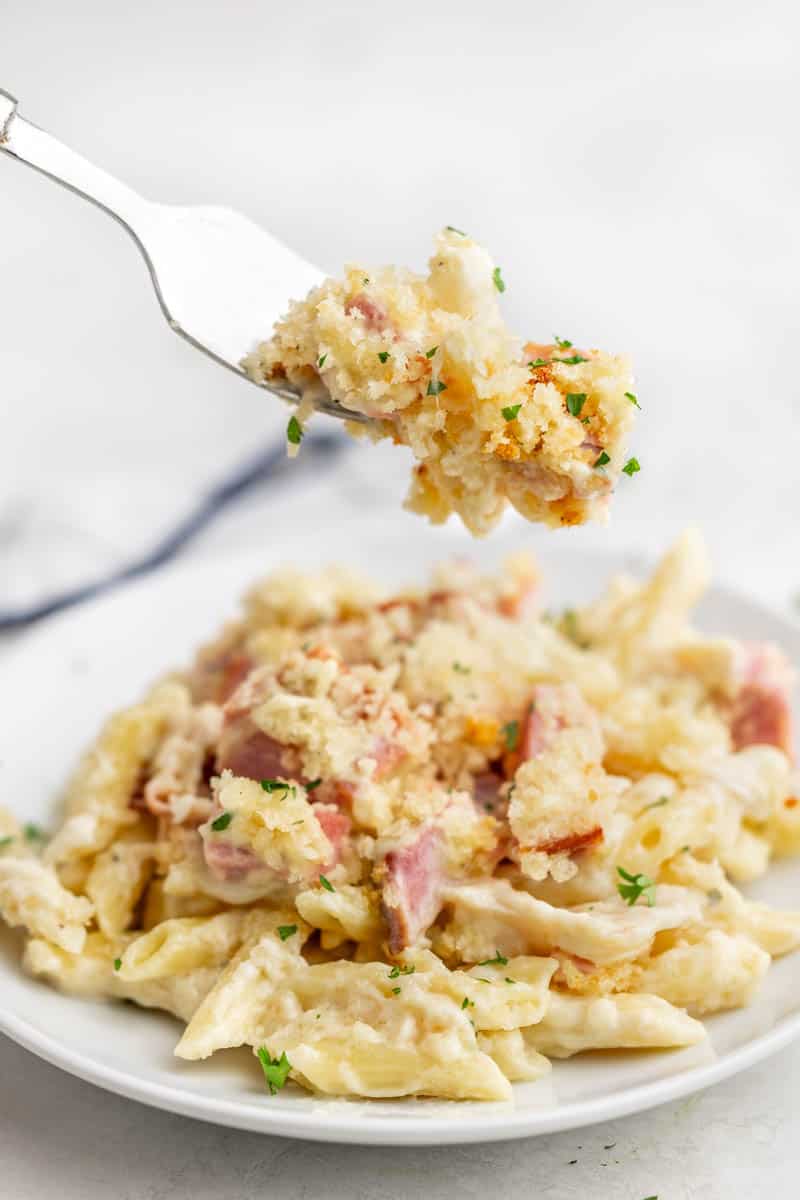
column 632, row 167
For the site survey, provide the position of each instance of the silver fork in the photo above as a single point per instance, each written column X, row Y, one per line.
column 221, row 281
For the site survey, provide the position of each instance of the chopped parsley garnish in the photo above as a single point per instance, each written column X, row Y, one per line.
column 397, row 971
column 562, row 343
column 575, row 402
column 538, row 362
column 499, row 960
column 430, row 353
column 276, row 1070
column 573, row 360
column 286, row 931
column 326, row 883
column 222, row 822
column 498, row 280
column 396, row 991
column 467, row 1003
column 634, row 886
column 508, row 980
column 631, row 466
column 510, row 411
column 32, row 832
column 321, row 360
column 602, row 459
column 462, row 670
column 383, row 355
column 656, row 803
column 453, row 229
column 366, row 279
column 314, row 783
column 117, row 963
column 435, row 387
column 6, row 841
column 511, row 734
column 274, row 785
column 294, row 431
column 632, row 397
column 570, row 629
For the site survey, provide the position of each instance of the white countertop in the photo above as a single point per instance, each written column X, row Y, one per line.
column 635, row 174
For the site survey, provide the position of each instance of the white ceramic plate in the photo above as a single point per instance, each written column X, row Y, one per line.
column 62, row 680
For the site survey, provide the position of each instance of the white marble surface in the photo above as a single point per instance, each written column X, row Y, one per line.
column 635, row 171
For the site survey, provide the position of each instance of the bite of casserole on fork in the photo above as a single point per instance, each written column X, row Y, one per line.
column 490, row 420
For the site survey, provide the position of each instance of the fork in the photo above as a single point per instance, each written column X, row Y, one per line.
column 221, row 281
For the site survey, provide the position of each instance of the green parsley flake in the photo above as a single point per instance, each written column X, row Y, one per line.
column 326, row 883
column 498, row 280
column 117, row 963
column 33, row 833
column 634, row 886
column 222, row 822
column 510, row 980
column 562, row 343
column 467, row 1003
column 462, row 670
column 510, row 412
column 430, row 353
column 397, row 971
column 274, row 785
column 573, row 360
column 286, row 931
column 6, row 841
column 537, row 362
column 499, row 960
column 294, row 431
column 453, row 229
column 435, row 387
column 571, row 630
column 575, row 402
column 321, row 360
column 656, row 803
column 601, row 460
column 511, row 734
column 366, row 279
column 632, row 397
column 631, row 466
column 313, row 784
column 383, row 355
column 276, row 1070
column 396, row 991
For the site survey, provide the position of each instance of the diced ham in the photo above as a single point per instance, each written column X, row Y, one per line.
column 553, row 708
column 374, row 314
column 227, row 861
column 485, row 789
column 761, row 710
column 247, row 751
column 230, row 862
column 412, row 888
column 216, row 676
column 336, row 827
column 387, row 755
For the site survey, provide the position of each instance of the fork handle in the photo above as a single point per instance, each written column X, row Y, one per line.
column 29, row 144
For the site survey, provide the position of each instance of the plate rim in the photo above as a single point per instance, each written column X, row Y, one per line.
column 390, row 1131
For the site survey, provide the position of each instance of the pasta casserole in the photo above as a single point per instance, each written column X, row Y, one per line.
column 430, row 361
column 424, row 843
